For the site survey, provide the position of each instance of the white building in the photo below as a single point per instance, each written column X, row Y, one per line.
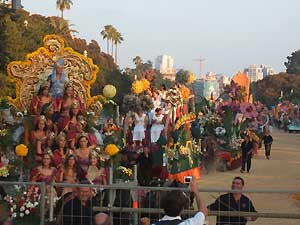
column 267, row 70
column 254, row 73
column 165, row 64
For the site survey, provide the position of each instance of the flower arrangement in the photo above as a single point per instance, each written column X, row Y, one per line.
column 111, row 149
column 146, row 84
column 174, row 97
column 24, row 204
column 220, row 131
column 137, row 87
column 124, row 173
column 185, row 92
column 4, row 171
column 21, row 150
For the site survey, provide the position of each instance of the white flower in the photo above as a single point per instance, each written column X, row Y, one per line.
column 29, row 205
column 14, row 206
column 14, row 215
column 220, row 131
column 36, row 204
column 27, row 212
column 21, row 215
column 22, row 209
column 12, row 209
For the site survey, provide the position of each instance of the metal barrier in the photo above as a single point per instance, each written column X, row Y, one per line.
column 126, row 203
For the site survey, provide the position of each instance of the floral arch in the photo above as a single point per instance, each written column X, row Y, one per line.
column 29, row 74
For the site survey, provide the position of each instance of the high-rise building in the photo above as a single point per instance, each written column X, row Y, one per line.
column 254, row 73
column 165, row 64
column 267, row 70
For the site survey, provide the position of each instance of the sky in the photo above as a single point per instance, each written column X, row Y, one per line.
column 229, row 34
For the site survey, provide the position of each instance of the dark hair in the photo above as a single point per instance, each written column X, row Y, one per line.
column 42, row 88
column 80, row 137
column 163, row 87
column 173, row 202
column 158, row 109
column 241, row 179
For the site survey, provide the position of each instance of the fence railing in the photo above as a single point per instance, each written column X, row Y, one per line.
column 126, row 203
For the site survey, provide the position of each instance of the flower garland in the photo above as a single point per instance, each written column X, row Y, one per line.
column 185, row 119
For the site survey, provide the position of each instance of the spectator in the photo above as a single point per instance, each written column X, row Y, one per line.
column 145, row 163
column 233, row 202
column 101, row 219
column 173, row 203
column 248, row 149
column 268, row 140
column 79, row 211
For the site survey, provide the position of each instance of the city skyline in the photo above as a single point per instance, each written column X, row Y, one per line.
column 230, row 36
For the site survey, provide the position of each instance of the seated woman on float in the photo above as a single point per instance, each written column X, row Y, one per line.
column 64, row 105
column 42, row 98
column 57, row 79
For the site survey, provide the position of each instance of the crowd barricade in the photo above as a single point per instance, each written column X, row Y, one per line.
column 127, row 203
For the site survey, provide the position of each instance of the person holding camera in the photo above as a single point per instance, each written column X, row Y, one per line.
column 173, row 204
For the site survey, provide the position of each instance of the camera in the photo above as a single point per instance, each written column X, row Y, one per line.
column 188, row 179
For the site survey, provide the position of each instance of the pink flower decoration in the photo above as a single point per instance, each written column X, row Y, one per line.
column 249, row 110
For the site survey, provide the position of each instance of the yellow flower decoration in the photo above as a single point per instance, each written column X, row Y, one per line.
column 111, row 149
column 137, row 87
column 146, row 84
column 185, row 92
column 191, row 78
column 22, row 150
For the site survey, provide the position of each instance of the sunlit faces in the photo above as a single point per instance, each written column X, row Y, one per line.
column 69, row 91
column 237, row 184
column 46, row 160
column 41, row 124
column 45, row 91
column 59, row 69
column 94, row 160
column 61, row 141
column 83, row 142
column 84, row 193
column 71, row 161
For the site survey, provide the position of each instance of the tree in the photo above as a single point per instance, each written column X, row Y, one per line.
column 182, row 76
column 293, row 63
column 63, row 5
column 107, row 34
column 268, row 91
column 117, row 38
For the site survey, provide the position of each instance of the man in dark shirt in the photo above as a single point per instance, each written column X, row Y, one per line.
column 79, row 211
column 145, row 163
column 268, row 140
column 233, row 202
column 247, row 152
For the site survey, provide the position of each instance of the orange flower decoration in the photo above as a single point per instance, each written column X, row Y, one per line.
column 22, row 150
column 145, row 83
column 185, row 92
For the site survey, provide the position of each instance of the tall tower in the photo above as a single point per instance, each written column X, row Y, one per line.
column 200, row 61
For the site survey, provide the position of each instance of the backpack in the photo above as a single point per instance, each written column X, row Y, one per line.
column 168, row 222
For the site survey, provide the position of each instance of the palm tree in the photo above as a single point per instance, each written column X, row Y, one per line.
column 62, row 27
column 137, row 60
column 106, row 34
column 117, row 38
column 62, row 5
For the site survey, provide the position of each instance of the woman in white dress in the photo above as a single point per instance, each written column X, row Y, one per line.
column 140, row 121
column 157, row 125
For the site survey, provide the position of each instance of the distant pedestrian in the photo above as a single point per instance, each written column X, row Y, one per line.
column 248, row 149
column 268, row 140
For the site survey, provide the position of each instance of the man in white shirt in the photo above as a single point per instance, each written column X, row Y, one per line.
column 173, row 204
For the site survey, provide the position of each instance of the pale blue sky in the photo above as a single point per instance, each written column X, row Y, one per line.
column 229, row 34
